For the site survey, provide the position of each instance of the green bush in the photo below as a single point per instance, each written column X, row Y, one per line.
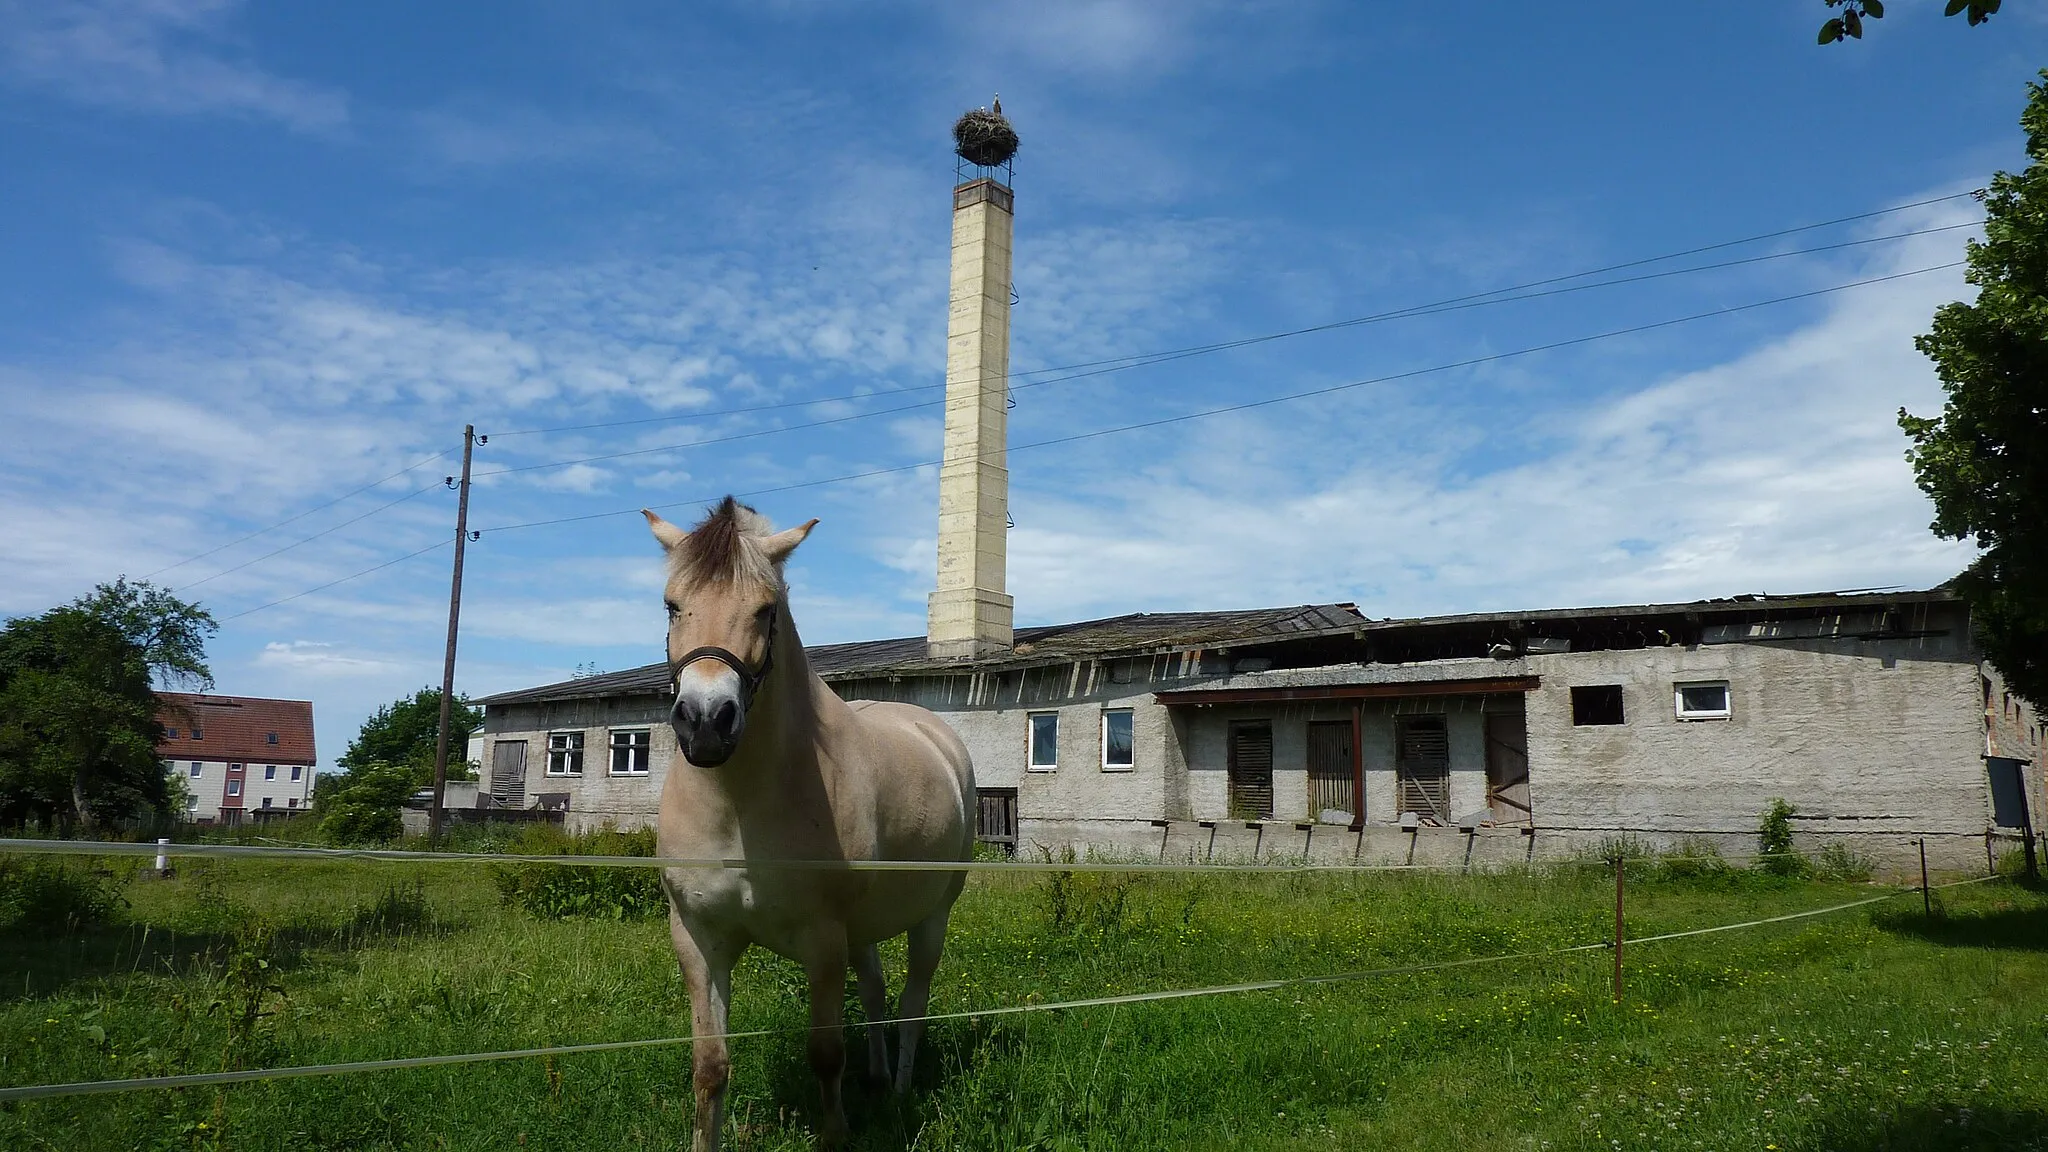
column 1838, row 861
column 1693, row 858
column 44, row 894
column 1774, row 852
column 363, row 807
column 562, row 891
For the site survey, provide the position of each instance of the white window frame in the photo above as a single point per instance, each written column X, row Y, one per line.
column 197, row 767
column 266, row 802
column 570, row 751
column 1031, row 761
column 291, row 802
column 270, row 771
column 1132, row 716
column 296, row 768
column 1724, row 712
column 234, row 787
column 644, row 747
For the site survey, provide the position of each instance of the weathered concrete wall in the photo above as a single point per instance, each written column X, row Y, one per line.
column 1853, row 744
column 596, row 796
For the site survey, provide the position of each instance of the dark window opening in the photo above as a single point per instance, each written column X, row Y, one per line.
column 1596, row 704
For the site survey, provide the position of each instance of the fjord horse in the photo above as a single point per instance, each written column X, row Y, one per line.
column 777, row 768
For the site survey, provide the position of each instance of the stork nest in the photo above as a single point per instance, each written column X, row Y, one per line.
column 984, row 138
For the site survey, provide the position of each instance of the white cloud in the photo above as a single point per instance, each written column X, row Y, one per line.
column 318, row 658
column 160, row 56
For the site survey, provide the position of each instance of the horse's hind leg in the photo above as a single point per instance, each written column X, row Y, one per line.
column 927, row 942
column 874, row 1002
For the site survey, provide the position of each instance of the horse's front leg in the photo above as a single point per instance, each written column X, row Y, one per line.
column 706, row 955
column 826, row 968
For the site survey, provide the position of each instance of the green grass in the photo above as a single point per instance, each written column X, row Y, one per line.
column 1875, row 1028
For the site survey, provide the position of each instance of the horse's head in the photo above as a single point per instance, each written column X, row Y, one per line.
column 725, row 601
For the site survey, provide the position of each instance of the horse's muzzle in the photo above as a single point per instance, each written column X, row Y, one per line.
column 707, row 730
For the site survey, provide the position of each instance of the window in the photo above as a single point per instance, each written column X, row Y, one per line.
column 1045, row 742
column 295, row 771
column 1706, row 700
column 191, row 803
column 198, row 733
column 1596, row 704
column 292, row 802
column 270, row 737
column 170, row 733
column 234, row 787
column 629, row 752
column 565, row 753
column 266, row 801
column 195, row 769
column 270, row 771
column 1116, row 740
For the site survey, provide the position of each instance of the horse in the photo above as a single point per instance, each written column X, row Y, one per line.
column 779, row 768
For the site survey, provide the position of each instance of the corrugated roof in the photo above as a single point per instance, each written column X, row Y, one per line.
column 240, row 728
column 1043, row 644
column 1147, row 632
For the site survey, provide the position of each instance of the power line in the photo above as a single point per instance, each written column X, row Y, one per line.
column 1177, row 353
column 1417, row 310
column 297, row 518
column 313, row 537
column 332, row 583
column 1271, row 400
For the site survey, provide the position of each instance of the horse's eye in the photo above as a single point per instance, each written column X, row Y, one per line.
column 766, row 615
column 672, row 609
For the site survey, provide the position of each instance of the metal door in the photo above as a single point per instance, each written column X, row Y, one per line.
column 1422, row 768
column 508, row 773
column 1331, row 785
column 1251, row 770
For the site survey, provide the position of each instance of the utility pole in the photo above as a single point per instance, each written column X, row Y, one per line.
column 448, row 661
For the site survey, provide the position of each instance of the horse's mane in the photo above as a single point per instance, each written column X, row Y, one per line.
column 725, row 548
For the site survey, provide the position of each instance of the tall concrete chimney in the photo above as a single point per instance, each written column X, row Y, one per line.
column 969, row 613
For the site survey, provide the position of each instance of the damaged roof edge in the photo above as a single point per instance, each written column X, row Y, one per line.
column 905, row 656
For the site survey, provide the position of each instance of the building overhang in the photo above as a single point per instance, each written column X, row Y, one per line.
column 1491, row 686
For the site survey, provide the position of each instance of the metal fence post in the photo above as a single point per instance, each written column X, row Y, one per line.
column 1926, row 898
column 1618, row 933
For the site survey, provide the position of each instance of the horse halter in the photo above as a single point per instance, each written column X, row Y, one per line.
column 750, row 681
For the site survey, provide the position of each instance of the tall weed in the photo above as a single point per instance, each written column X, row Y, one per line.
column 45, row 894
column 563, row 891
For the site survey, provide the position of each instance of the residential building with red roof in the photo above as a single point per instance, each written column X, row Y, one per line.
column 238, row 754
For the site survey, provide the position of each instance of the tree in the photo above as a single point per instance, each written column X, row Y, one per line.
column 171, row 633
column 1984, row 460
column 78, row 726
column 1849, row 25
column 404, row 732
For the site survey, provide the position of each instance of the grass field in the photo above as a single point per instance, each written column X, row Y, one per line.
column 1870, row 1029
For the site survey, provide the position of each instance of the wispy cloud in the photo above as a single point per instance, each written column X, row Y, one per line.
column 170, row 57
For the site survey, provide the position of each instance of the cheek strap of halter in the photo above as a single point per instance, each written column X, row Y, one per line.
column 750, row 680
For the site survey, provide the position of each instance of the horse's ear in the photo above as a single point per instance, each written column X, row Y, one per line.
column 667, row 533
column 779, row 546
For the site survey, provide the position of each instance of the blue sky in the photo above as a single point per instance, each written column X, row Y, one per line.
column 258, row 256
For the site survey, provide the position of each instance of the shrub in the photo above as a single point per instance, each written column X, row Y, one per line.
column 363, row 807
column 1838, row 861
column 1775, row 854
column 562, row 891
column 43, row 894
column 1693, row 858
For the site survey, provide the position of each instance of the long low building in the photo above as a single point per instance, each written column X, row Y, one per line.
column 1316, row 731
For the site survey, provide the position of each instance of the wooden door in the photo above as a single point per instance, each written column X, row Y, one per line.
column 1251, row 770
column 1507, row 767
column 508, row 773
column 1331, row 785
column 1422, row 768
column 995, row 817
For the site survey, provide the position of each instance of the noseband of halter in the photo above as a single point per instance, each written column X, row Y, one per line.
column 750, row 680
